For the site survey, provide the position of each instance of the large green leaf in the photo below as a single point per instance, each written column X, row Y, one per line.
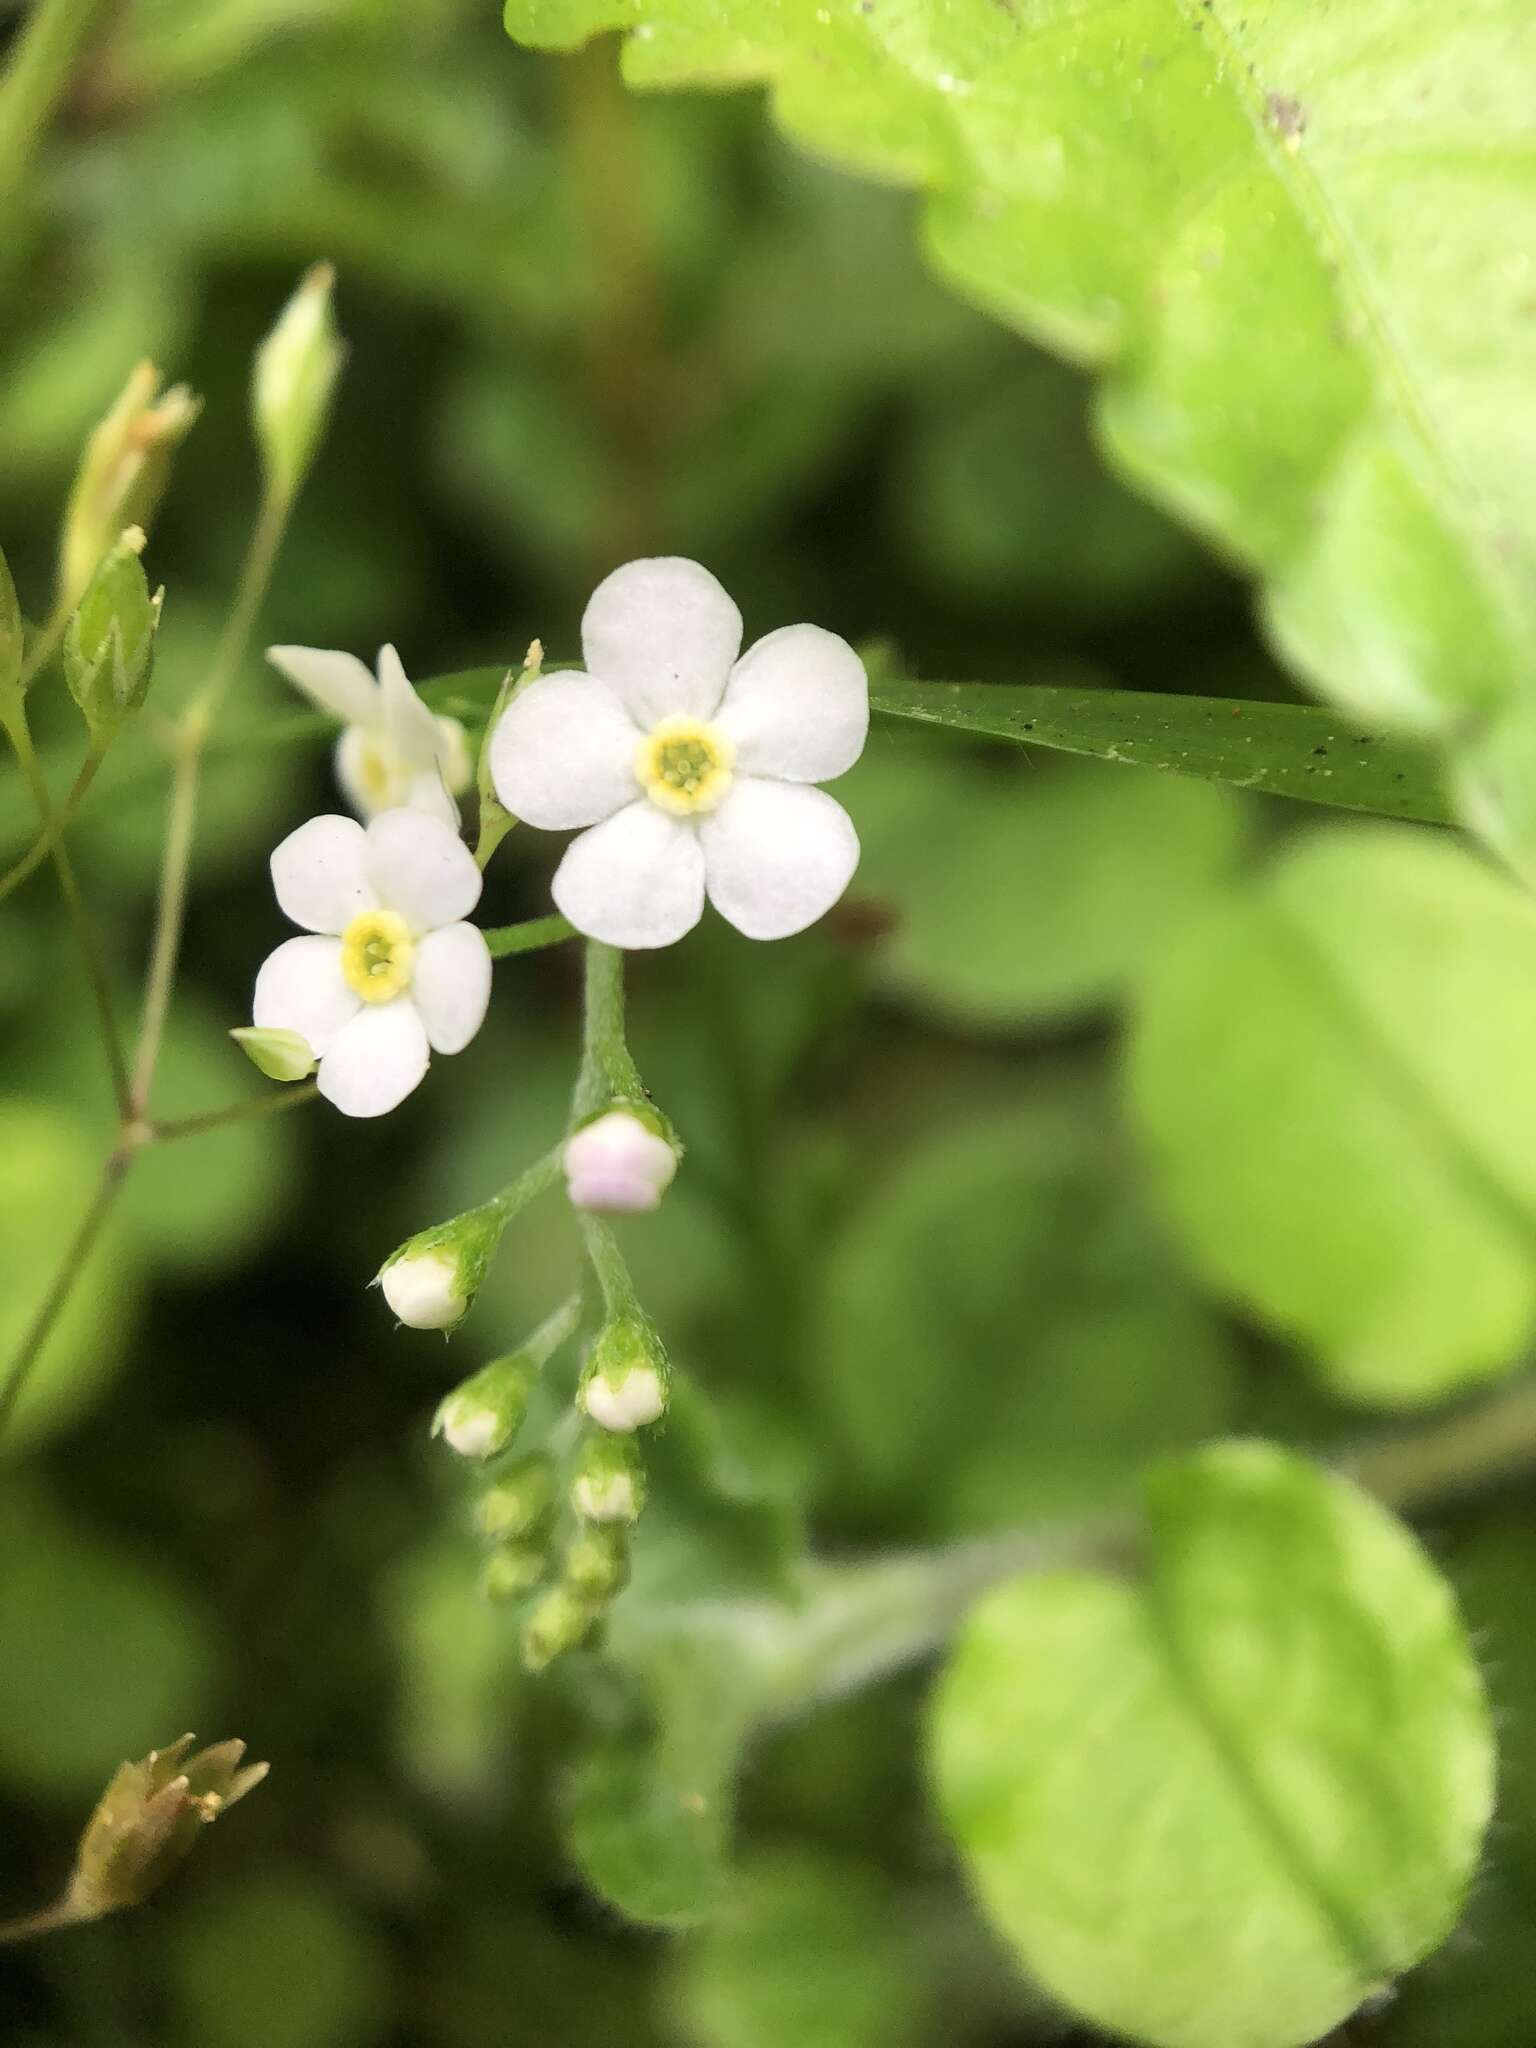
column 1333, row 1072
column 1300, row 240
column 1239, row 1795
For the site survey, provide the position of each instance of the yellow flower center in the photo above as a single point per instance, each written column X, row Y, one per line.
column 378, row 772
column 685, row 765
column 377, row 952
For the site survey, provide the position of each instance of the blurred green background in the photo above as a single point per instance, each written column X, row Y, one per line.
column 911, row 1256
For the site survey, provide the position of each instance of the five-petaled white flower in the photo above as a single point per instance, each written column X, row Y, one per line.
column 691, row 768
column 394, row 750
column 392, row 970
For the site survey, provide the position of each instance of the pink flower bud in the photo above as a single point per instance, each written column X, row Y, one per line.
column 618, row 1167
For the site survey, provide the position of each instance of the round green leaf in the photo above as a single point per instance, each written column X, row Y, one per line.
column 1221, row 1805
column 1334, row 1076
column 1089, row 870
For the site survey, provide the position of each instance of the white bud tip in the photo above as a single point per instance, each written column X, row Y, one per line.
column 134, row 539
column 636, row 1400
column 617, row 1167
column 472, row 1432
column 423, row 1290
column 605, row 1500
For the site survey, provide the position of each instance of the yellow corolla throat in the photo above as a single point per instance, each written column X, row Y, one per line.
column 377, row 952
column 685, row 765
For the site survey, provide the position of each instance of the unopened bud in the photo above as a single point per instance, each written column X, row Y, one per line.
column 432, row 1279
column 518, row 1501
column 280, row 1055
column 619, row 1165
column 482, row 1416
column 295, row 375
column 625, row 1384
column 609, row 1485
column 123, row 472
column 558, row 1623
column 148, row 1818
column 512, row 1571
column 109, row 644
column 597, row 1564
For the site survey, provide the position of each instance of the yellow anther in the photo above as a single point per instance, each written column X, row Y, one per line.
column 377, row 952
column 685, row 765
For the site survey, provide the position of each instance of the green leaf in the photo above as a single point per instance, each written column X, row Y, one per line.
column 1291, row 750
column 1007, row 1337
column 1237, row 1796
column 1298, row 240
column 1332, row 1071
column 1101, row 869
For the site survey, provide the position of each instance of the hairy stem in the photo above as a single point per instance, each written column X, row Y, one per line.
column 607, row 1068
column 529, row 937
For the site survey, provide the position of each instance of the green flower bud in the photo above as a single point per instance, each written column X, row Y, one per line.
column 609, row 1481
column 482, row 1416
column 518, row 1501
column 431, row 1281
column 558, row 1623
column 109, row 644
column 597, row 1564
column 123, row 472
column 149, row 1816
column 295, row 376
column 512, row 1571
column 280, row 1055
column 625, row 1384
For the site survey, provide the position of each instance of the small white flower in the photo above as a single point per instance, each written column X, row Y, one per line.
column 638, row 1398
column 423, row 1290
column 393, row 970
column 393, row 751
column 692, row 768
column 614, row 1166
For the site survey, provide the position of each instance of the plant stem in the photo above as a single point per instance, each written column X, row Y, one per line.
column 58, row 1294
column 20, row 735
column 607, row 1068
column 529, row 937
column 607, row 1261
column 40, row 849
column 532, row 1181
column 235, row 1113
column 41, row 60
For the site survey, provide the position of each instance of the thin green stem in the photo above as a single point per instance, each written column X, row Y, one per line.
column 45, row 641
column 58, row 1294
column 608, row 1263
column 20, row 735
column 607, row 1068
column 529, row 937
column 40, row 849
column 34, row 82
column 546, row 1340
column 235, row 1113
column 533, row 1180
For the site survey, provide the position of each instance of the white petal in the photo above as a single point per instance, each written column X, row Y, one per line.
column 664, row 633
column 301, row 988
column 320, row 874
column 421, row 869
column 451, row 985
column 376, row 1060
column 777, row 856
column 563, row 752
column 407, row 720
column 453, row 755
column 337, row 682
column 428, row 792
column 351, row 762
column 797, row 706
column 636, row 880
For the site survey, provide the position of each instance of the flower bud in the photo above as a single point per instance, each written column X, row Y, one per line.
column 433, row 1278
column 148, row 1818
column 280, row 1055
column 109, row 644
column 482, row 1416
column 625, row 1384
column 609, row 1483
column 518, row 1501
column 295, row 375
column 512, row 1571
column 597, row 1564
column 123, row 472
column 619, row 1165
column 558, row 1623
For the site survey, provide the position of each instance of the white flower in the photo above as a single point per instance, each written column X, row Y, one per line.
column 423, row 1290
column 393, row 970
column 639, row 1397
column 393, row 751
column 692, row 768
column 614, row 1166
